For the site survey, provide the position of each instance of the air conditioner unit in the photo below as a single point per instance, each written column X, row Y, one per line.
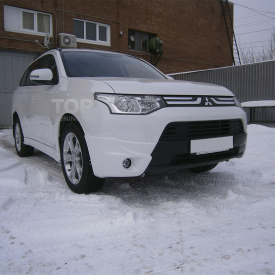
column 67, row 40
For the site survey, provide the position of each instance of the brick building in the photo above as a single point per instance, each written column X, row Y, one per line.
column 193, row 32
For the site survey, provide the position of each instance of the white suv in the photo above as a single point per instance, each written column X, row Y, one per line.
column 104, row 114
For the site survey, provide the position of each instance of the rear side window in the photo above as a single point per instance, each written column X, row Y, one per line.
column 46, row 61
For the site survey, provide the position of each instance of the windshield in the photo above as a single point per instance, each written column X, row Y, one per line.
column 101, row 64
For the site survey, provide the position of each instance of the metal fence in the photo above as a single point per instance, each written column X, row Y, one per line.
column 250, row 82
column 12, row 66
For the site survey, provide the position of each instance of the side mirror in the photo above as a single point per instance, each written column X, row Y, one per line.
column 41, row 76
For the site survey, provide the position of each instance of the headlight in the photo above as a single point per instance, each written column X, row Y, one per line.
column 238, row 103
column 131, row 104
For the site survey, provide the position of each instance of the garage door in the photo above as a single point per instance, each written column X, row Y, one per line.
column 13, row 65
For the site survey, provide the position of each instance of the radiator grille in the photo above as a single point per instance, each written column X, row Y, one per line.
column 183, row 131
column 203, row 101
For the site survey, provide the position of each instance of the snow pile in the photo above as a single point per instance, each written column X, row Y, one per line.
column 221, row 222
column 259, row 103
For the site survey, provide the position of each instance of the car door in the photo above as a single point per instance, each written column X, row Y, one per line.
column 22, row 99
column 40, row 116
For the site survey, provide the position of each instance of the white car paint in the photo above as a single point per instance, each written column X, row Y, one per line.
column 110, row 138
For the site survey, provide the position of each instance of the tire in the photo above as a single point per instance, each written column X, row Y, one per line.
column 75, row 161
column 202, row 169
column 21, row 149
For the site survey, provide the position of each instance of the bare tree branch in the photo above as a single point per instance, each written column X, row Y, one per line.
column 250, row 55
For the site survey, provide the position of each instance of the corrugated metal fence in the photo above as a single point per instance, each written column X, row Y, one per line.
column 12, row 66
column 248, row 82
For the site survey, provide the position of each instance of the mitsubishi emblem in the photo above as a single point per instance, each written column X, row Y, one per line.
column 207, row 102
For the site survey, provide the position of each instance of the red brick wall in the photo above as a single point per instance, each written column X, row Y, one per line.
column 193, row 31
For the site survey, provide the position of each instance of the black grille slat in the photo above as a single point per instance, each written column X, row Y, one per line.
column 189, row 159
column 181, row 131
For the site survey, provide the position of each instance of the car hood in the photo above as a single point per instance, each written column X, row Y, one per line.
column 164, row 87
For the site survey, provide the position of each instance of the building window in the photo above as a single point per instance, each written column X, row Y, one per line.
column 92, row 32
column 27, row 21
column 139, row 41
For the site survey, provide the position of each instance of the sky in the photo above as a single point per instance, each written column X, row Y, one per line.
column 253, row 22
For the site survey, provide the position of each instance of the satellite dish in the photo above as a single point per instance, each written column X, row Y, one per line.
column 156, row 45
column 47, row 40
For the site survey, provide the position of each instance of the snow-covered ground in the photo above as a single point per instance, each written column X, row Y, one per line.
column 221, row 222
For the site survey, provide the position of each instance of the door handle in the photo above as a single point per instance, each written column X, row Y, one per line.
column 33, row 99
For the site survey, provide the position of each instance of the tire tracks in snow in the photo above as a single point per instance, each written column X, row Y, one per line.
column 13, row 166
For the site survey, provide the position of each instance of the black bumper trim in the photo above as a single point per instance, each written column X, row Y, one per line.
column 168, row 156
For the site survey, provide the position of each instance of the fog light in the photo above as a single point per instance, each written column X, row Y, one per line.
column 126, row 163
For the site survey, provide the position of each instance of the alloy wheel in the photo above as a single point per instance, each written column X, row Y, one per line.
column 18, row 137
column 72, row 158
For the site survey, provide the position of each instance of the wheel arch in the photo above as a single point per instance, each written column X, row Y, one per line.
column 65, row 120
column 14, row 117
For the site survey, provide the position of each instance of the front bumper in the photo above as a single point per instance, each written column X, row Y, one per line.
column 175, row 154
column 115, row 138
